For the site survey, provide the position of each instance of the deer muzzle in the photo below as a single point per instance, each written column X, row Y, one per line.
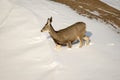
column 42, row 30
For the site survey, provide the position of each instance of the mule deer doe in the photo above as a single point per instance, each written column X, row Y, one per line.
column 68, row 35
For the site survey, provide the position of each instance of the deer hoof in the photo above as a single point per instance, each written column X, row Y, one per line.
column 87, row 44
column 69, row 47
column 80, row 46
column 58, row 46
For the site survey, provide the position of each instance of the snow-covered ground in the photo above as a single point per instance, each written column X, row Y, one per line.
column 28, row 54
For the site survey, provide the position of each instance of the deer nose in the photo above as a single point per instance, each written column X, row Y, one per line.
column 41, row 30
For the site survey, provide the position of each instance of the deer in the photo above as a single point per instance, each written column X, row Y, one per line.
column 67, row 35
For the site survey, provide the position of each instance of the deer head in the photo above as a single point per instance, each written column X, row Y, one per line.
column 47, row 25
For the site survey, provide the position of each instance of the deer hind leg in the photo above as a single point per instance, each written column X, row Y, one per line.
column 87, row 40
column 81, row 41
column 69, row 44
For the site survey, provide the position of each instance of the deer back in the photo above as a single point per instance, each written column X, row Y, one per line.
column 76, row 28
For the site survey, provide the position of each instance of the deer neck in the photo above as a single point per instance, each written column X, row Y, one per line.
column 53, row 32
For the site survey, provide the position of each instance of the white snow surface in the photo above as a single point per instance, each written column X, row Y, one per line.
column 113, row 3
column 28, row 54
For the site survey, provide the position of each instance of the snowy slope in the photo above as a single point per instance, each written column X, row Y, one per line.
column 4, row 11
column 28, row 54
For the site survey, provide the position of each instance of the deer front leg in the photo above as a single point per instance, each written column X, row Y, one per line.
column 57, row 45
column 69, row 44
column 87, row 40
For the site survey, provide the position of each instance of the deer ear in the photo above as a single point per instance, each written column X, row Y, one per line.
column 50, row 19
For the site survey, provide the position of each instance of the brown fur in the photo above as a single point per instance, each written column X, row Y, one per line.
column 68, row 35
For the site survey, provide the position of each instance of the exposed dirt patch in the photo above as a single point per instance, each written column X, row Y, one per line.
column 95, row 9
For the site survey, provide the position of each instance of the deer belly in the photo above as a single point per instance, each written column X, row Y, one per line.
column 64, row 41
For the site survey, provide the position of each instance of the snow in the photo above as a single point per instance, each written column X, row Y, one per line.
column 4, row 11
column 113, row 3
column 28, row 54
column 95, row 13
